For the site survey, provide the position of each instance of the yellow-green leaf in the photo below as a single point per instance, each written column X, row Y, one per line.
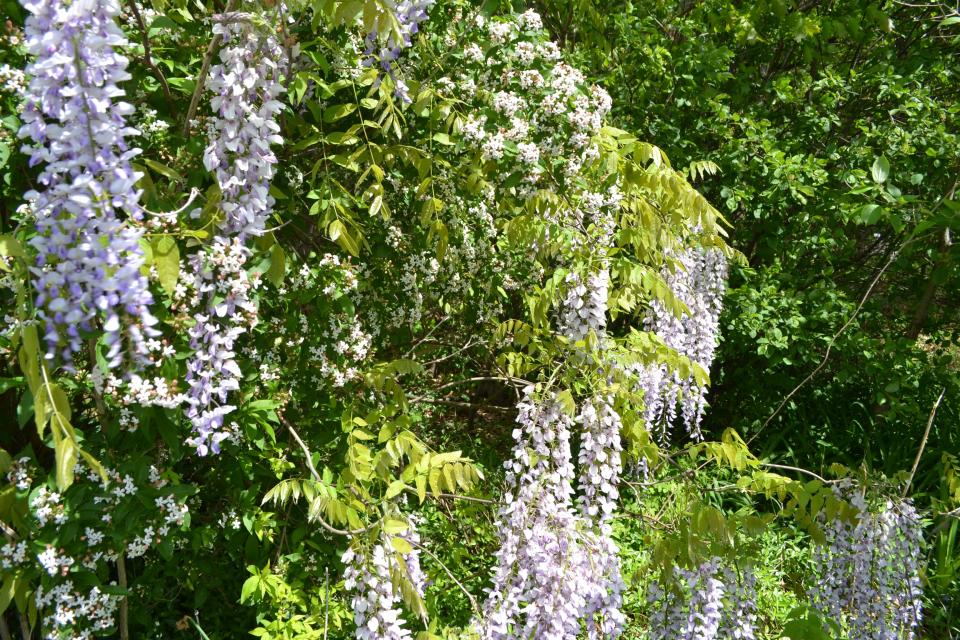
column 401, row 545
column 66, row 455
column 166, row 258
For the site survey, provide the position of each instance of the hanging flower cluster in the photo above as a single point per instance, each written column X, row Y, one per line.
column 88, row 262
column 376, row 601
column 409, row 13
column 246, row 85
column 709, row 602
column 584, row 308
column 554, row 568
column 699, row 284
column 869, row 570
column 600, row 466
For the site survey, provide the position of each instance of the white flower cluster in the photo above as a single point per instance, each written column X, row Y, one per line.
column 710, row 602
column 19, row 474
column 47, row 507
column 13, row 80
column 71, row 611
column 699, row 283
column 534, row 113
column 13, row 554
column 869, row 570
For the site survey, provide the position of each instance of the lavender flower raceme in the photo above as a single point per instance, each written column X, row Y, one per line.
column 246, row 85
column 869, row 570
column 706, row 603
column 700, row 285
column 88, row 261
column 585, row 306
column 410, row 13
column 375, row 601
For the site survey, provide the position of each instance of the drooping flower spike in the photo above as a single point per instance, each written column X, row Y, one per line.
column 87, row 273
column 246, row 86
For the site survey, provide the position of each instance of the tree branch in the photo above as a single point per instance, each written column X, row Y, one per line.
column 473, row 602
column 148, row 59
column 923, row 442
column 316, row 476
column 833, row 340
column 204, row 69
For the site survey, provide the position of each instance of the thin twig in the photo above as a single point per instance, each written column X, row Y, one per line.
column 124, row 606
column 455, row 496
column 520, row 382
column 148, row 59
column 326, row 601
column 473, row 602
column 833, row 340
column 8, row 530
column 426, row 337
column 465, row 405
column 923, row 442
column 797, row 469
column 204, row 69
column 316, row 476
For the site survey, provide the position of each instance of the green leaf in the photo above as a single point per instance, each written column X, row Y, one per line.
column 250, row 585
column 278, row 265
column 166, row 258
column 339, row 234
column 66, row 457
column 6, row 592
column 393, row 526
column 395, row 488
column 880, row 169
column 163, row 170
column 442, row 138
column 869, row 213
column 10, row 383
column 338, row 111
column 401, row 545
column 10, row 247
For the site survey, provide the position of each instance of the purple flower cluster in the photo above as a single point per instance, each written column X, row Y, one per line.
column 553, row 569
column 246, row 85
column 375, row 601
column 600, row 458
column 869, row 571
column 700, row 285
column 410, row 13
column 585, row 306
column 600, row 466
column 706, row 603
column 88, row 261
